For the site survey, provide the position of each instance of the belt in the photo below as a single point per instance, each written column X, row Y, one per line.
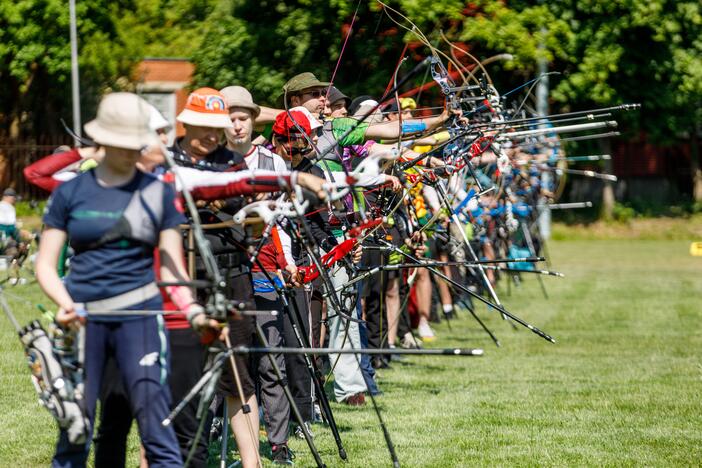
column 232, row 259
column 225, row 260
column 124, row 300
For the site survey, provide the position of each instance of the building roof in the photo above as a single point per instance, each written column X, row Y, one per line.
column 164, row 70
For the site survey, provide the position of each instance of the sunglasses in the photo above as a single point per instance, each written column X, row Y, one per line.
column 294, row 151
column 315, row 94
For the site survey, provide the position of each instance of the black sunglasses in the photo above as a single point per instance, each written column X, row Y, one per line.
column 301, row 151
column 315, row 94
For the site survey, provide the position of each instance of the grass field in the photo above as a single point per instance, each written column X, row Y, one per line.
column 622, row 387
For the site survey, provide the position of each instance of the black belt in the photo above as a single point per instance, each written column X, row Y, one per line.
column 227, row 260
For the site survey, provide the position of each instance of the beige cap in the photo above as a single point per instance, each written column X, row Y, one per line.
column 238, row 96
column 367, row 106
column 123, row 122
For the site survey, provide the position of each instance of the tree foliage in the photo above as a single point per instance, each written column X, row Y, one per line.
column 608, row 51
column 35, row 60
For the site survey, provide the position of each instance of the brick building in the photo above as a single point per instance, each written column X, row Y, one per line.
column 164, row 82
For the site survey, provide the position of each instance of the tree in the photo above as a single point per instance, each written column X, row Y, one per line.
column 35, row 61
column 262, row 44
column 113, row 37
column 610, row 52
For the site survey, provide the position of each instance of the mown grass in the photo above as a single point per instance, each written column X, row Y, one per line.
column 641, row 228
column 622, row 387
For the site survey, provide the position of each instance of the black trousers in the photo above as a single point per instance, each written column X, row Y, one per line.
column 299, row 378
column 187, row 361
column 374, row 293
column 115, row 419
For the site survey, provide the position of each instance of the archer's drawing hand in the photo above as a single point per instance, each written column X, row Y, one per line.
column 206, row 327
column 396, row 185
column 313, row 184
column 295, row 275
column 68, row 317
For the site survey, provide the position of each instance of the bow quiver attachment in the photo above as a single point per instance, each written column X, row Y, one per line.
column 57, row 377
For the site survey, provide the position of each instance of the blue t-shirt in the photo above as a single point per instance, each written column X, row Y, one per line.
column 86, row 211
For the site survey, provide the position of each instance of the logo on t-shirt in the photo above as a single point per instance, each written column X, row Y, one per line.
column 149, row 359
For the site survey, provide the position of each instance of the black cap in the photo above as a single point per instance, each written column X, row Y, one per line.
column 334, row 95
column 390, row 108
column 9, row 192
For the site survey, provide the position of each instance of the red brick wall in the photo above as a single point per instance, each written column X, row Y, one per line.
column 161, row 70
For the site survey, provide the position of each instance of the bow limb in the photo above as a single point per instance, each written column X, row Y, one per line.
column 305, row 238
column 469, row 55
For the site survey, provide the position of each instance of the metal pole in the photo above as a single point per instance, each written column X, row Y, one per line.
column 544, row 220
column 75, row 81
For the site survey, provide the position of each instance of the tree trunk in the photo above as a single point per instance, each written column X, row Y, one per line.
column 695, row 166
column 607, row 186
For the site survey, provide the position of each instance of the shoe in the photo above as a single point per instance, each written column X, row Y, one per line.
column 410, row 342
column 216, row 428
column 396, row 357
column 299, row 432
column 281, row 455
column 317, row 416
column 357, row 399
column 380, row 362
column 425, row 332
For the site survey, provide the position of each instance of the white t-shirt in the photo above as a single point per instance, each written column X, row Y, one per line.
column 279, row 167
column 252, row 159
column 8, row 214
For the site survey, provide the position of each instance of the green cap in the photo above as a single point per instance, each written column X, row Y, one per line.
column 302, row 81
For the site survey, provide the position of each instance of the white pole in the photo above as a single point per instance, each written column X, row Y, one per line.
column 75, row 83
column 544, row 219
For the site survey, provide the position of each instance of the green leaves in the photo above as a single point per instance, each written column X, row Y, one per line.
column 608, row 51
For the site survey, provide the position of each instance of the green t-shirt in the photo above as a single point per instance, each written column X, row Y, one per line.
column 341, row 125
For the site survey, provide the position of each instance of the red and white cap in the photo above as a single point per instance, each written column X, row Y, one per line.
column 285, row 127
column 314, row 123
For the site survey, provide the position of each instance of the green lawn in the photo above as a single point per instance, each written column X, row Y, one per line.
column 622, row 386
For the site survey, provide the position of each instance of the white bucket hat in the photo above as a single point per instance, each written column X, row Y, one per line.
column 206, row 107
column 122, row 121
column 157, row 121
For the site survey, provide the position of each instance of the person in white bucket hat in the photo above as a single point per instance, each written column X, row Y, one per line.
column 123, row 122
column 116, row 217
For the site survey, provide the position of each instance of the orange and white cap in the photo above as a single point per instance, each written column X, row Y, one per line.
column 206, row 107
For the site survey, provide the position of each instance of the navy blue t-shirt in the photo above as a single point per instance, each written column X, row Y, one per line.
column 86, row 211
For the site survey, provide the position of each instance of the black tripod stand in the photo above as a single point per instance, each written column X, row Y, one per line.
column 312, row 367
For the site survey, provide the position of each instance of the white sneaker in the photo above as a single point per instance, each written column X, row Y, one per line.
column 409, row 342
column 299, row 433
column 425, row 332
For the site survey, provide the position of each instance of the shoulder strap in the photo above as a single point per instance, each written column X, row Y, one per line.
column 265, row 160
column 140, row 221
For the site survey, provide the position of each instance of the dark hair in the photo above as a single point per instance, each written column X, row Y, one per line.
column 356, row 103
